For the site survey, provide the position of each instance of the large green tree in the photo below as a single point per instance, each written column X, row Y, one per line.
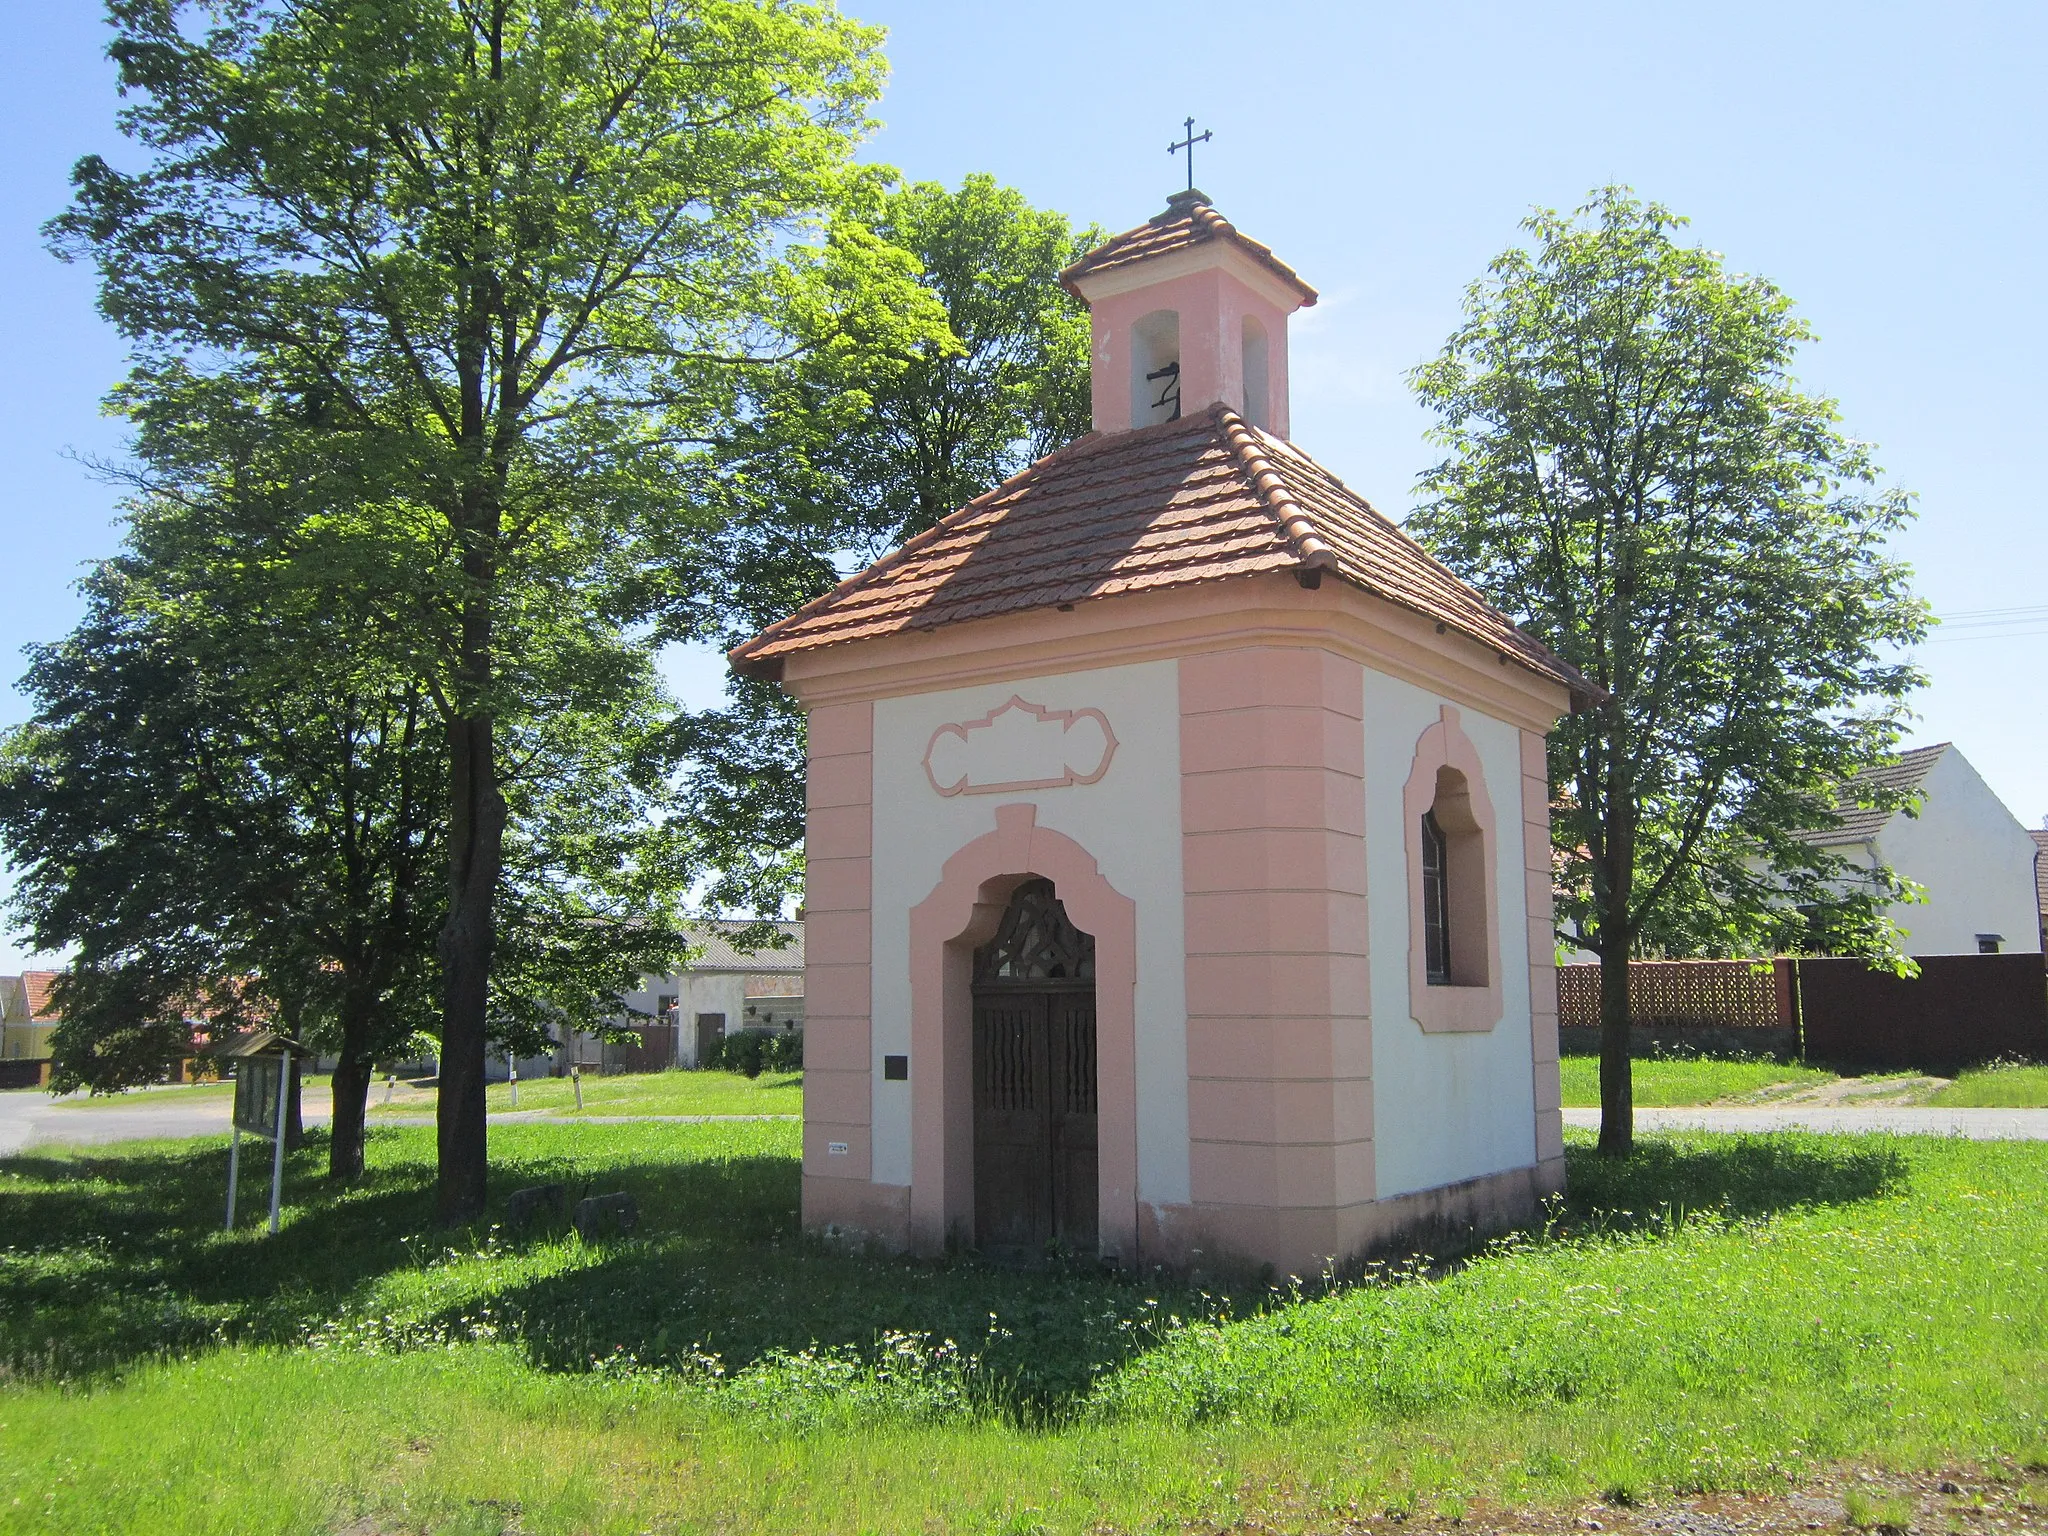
column 229, row 805
column 514, row 260
column 842, row 453
column 227, row 810
column 1635, row 475
column 873, row 444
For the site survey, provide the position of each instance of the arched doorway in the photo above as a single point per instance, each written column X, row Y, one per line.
column 1035, row 1079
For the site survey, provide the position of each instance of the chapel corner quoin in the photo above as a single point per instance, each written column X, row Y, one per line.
column 1178, row 836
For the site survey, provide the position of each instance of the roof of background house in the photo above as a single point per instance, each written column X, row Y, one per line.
column 1188, row 501
column 1858, row 822
column 1188, row 221
column 2040, row 837
column 37, row 985
column 713, row 940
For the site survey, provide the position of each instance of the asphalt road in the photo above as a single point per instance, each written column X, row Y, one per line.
column 29, row 1115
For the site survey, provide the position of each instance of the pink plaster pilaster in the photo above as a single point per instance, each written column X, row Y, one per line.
column 1542, row 961
column 1273, row 855
column 838, row 886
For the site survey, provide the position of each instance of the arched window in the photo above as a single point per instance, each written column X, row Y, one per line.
column 1453, row 886
column 1454, row 969
column 1155, row 368
column 1257, row 391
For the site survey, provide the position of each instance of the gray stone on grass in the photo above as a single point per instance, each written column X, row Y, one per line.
column 526, row 1206
column 597, row 1213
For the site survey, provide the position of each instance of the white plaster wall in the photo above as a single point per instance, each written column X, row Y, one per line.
column 1129, row 821
column 696, row 992
column 1974, row 858
column 1446, row 1107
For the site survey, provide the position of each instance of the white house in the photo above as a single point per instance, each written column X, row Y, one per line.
column 724, row 990
column 1972, row 856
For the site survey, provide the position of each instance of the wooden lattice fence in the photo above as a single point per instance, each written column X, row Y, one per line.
column 1680, row 994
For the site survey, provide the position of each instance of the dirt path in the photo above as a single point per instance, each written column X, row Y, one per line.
column 1860, row 1500
column 1868, row 1092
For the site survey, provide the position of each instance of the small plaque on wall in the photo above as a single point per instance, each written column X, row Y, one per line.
column 896, row 1068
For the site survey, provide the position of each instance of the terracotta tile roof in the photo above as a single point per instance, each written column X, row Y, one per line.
column 1195, row 500
column 2040, row 838
column 37, row 985
column 1187, row 221
column 1906, row 771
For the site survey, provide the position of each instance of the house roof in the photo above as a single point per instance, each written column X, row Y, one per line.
column 713, row 938
column 1858, row 822
column 2040, row 837
column 1195, row 500
column 37, row 985
column 1187, row 221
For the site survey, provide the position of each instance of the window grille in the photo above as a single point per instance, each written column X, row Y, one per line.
column 1436, row 931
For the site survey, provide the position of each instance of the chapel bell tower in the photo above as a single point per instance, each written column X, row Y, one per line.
column 1185, row 313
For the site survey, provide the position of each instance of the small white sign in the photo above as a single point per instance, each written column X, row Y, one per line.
column 835, row 1149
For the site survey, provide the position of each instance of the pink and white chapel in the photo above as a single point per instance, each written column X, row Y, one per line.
column 1178, row 841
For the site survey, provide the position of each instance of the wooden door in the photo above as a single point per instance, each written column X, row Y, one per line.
column 710, row 1030
column 1035, row 1164
column 1012, row 1124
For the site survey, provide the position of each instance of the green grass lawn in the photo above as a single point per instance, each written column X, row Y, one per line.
column 1702, row 1080
column 1714, row 1312
column 2009, row 1086
column 638, row 1093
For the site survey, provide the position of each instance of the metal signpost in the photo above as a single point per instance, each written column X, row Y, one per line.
column 261, row 1083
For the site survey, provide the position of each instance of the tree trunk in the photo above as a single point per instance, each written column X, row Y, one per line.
column 1617, row 1087
column 351, row 1103
column 476, row 826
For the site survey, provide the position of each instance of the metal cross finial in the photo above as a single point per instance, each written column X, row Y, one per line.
column 1193, row 138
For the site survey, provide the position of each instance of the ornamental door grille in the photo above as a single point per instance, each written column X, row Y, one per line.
column 1034, row 1080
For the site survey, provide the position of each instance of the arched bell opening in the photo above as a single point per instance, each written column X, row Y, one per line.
column 1155, row 368
column 1258, row 408
column 1035, row 1080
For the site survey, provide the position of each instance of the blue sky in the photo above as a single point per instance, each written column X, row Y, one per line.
column 1883, row 164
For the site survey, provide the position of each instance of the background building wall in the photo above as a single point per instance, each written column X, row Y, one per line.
column 1974, row 858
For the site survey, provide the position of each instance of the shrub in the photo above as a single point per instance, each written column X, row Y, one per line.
column 744, row 1051
column 754, row 1051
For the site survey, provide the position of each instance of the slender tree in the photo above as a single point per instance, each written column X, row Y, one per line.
column 1635, row 475
column 514, row 259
